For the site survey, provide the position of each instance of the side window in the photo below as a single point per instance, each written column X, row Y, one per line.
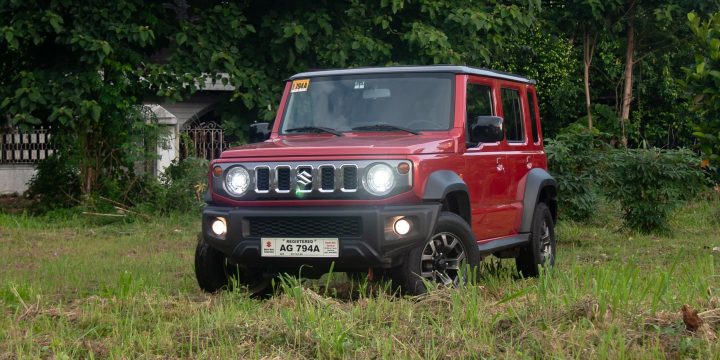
column 478, row 101
column 513, row 115
column 534, row 124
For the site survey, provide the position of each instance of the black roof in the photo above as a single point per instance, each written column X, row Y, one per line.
column 455, row 69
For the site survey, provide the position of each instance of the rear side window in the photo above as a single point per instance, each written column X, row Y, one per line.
column 533, row 117
column 513, row 121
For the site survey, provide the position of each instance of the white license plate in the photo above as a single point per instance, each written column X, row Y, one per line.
column 300, row 247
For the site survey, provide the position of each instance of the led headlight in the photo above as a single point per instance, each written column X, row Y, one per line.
column 379, row 179
column 237, row 181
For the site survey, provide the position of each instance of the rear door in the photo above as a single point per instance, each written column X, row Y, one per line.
column 519, row 147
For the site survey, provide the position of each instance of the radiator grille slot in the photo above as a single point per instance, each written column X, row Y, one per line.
column 283, row 178
column 327, row 178
column 262, row 178
column 350, row 181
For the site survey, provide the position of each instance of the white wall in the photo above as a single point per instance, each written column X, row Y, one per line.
column 14, row 178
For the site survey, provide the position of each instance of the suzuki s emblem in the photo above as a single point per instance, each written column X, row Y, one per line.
column 304, row 179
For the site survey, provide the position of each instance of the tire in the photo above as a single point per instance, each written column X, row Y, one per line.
column 541, row 250
column 439, row 260
column 215, row 273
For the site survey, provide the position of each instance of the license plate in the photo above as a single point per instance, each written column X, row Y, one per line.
column 300, row 247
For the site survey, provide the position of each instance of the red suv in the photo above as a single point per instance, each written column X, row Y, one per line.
column 414, row 172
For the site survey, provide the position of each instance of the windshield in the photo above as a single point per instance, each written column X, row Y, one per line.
column 375, row 102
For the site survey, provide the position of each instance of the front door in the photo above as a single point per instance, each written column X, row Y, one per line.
column 486, row 169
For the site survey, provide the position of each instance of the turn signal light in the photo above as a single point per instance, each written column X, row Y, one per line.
column 403, row 168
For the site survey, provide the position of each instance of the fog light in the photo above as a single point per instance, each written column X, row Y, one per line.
column 219, row 227
column 402, row 227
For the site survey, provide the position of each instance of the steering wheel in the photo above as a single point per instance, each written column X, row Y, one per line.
column 417, row 124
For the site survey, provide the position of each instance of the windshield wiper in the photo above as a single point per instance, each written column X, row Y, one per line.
column 315, row 128
column 385, row 127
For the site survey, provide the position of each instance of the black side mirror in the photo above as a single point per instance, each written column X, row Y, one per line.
column 259, row 132
column 485, row 129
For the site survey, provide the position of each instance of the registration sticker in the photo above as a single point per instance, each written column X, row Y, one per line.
column 299, row 247
column 300, row 85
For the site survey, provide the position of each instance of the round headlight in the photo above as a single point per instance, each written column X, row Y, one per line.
column 379, row 179
column 237, row 181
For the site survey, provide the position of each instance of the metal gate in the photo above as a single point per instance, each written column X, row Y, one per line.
column 202, row 140
column 25, row 147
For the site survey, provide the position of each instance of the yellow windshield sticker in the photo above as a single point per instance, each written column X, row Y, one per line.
column 300, row 85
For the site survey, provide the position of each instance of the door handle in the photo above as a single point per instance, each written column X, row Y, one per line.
column 528, row 163
column 498, row 165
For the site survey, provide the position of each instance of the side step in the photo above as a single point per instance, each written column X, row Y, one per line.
column 503, row 243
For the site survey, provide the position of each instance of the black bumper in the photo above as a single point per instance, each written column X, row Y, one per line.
column 373, row 244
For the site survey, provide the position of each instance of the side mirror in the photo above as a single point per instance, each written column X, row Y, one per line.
column 485, row 129
column 259, row 132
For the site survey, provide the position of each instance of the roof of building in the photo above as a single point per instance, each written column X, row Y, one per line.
column 455, row 69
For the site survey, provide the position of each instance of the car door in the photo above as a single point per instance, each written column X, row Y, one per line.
column 519, row 152
column 538, row 158
column 486, row 172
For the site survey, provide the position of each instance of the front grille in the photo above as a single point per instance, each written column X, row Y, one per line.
column 337, row 226
column 304, row 178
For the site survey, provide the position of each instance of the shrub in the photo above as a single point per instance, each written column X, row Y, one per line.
column 56, row 184
column 650, row 183
column 574, row 159
column 180, row 188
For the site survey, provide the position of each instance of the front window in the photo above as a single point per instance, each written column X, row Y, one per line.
column 374, row 102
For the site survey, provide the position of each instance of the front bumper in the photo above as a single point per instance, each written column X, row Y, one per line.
column 374, row 245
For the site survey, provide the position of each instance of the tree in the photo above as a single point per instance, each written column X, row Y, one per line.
column 79, row 69
column 588, row 19
column 703, row 84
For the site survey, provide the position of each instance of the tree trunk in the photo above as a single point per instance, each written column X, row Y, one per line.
column 588, row 50
column 629, row 62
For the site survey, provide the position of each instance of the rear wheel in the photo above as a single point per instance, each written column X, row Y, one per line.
column 541, row 250
column 214, row 272
column 443, row 259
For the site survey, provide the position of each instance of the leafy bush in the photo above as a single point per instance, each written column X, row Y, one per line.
column 56, row 184
column 575, row 162
column 180, row 188
column 651, row 183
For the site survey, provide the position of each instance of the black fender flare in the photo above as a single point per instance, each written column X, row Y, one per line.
column 442, row 182
column 537, row 181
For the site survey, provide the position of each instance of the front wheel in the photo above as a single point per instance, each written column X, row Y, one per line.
column 214, row 272
column 443, row 259
column 541, row 250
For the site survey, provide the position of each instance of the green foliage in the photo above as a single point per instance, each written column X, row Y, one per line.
column 555, row 64
column 56, row 184
column 79, row 69
column 574, row 159
column 180, row 188
column 703, row 85
column 650, row 183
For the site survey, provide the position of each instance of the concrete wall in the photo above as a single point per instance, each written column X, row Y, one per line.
column 14, row 177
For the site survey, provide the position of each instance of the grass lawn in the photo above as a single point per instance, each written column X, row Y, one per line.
column 81, row 288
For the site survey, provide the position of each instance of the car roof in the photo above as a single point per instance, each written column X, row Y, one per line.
column 454, row 69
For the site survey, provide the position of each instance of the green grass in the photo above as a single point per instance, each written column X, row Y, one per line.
column 75, row 287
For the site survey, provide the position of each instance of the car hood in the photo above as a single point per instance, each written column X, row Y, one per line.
column 350, row 144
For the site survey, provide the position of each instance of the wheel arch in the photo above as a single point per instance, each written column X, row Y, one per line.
column 447, row 187
column 539, row 187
